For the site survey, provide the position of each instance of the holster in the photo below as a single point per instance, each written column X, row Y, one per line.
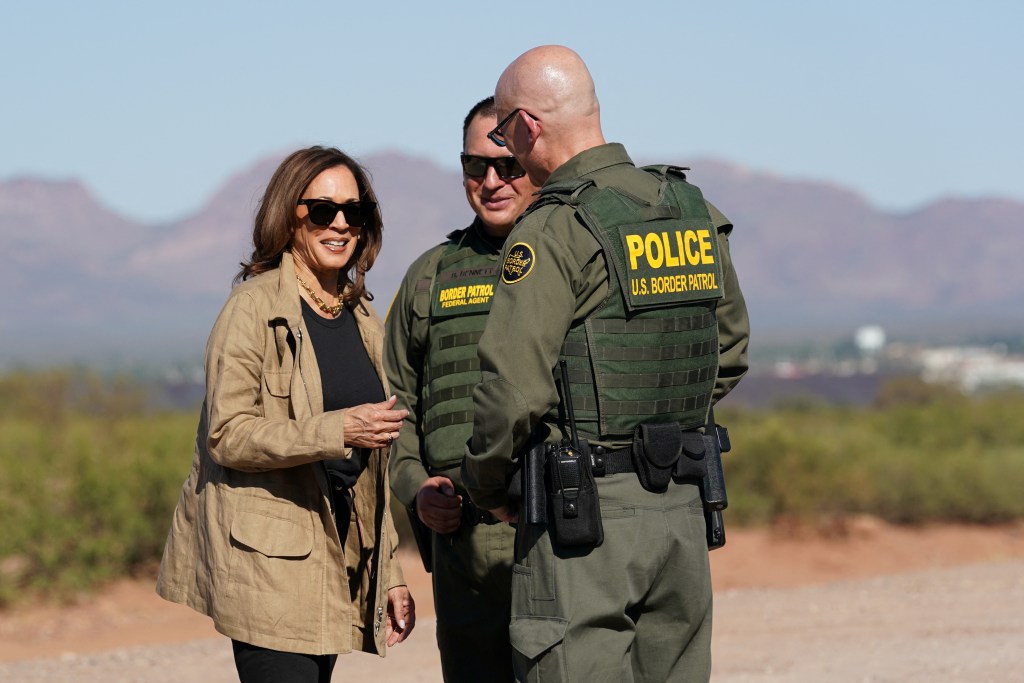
column 715, row 525
column 715, row 497
column 712, row 487
column 534, row 504
column 526, row 486
column 575, row 506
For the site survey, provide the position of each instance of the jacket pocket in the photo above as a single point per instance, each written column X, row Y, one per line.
column 272, row 536
column 272, row 576
column 278, row 383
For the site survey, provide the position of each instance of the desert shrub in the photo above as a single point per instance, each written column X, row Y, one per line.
column 933, row 458
column 89, row 476
column 87, row 502
column 88, row 479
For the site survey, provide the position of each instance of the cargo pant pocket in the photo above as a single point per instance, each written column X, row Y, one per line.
column 537, row 645
column 533, row 572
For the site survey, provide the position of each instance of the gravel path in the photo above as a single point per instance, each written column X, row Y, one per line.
column 959, row 624
column 962, row 624
column 210, row 661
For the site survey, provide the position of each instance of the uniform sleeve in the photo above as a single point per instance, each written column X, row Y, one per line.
column 240, row 436
column 519, row 348
column 405, row 338
column 733, row 323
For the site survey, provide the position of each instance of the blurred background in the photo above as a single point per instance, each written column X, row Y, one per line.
column 868, row 155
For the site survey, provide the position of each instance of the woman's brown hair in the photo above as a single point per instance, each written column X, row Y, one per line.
column 277, row 219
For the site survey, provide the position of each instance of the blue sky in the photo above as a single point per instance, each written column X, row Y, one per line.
column 153, row 106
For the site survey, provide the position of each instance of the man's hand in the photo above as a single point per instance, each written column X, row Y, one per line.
column 437, row 506
column 506, row 514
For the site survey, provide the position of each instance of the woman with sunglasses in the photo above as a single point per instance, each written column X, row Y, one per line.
column 282, row 534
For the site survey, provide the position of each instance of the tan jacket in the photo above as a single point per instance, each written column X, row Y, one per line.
column 253, row 543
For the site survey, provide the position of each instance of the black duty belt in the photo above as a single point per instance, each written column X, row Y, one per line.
column 473, row 515
column 620, row 460
column 612, row 462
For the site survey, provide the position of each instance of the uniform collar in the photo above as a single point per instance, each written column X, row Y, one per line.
column 476, row 231
column 590, row 161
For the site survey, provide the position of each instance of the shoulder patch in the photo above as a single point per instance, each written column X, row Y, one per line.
column 518, row 263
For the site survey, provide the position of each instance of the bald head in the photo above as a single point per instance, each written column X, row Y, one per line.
column 553, row 86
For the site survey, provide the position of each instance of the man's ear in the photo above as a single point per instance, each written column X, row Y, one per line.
column 533, row 128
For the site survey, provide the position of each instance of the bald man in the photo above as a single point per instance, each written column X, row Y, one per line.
column 623, row 274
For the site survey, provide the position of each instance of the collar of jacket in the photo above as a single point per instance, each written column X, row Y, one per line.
column 287, row 305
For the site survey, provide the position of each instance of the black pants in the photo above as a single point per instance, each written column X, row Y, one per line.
column 260, row 665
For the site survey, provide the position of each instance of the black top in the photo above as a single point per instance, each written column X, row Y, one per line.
column 347, row 377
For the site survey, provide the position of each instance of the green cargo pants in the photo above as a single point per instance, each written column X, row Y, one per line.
column 635, row 609
column 472, row 595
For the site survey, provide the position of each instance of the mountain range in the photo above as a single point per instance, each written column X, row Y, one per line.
column 84, row 283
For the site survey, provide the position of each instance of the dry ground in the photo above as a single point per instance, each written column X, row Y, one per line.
column 860, row 601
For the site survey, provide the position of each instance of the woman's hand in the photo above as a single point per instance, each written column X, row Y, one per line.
column 401, row 615
column 373, row 425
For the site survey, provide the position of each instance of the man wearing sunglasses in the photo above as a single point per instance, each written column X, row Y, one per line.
column 624, row 275
column 431, row 360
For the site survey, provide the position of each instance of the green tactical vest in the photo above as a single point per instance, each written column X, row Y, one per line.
column 650, row 352
column 460, row 299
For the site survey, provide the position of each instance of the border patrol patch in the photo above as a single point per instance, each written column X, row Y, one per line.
column 518, row 263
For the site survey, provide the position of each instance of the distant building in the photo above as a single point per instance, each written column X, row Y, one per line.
column 972, row 368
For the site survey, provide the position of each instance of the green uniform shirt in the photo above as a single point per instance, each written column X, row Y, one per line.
column 406, row 350
column 565, row 280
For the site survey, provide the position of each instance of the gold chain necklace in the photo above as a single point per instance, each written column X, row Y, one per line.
column 333, row 310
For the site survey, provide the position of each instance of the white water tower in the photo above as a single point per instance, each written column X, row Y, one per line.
column 870, row 340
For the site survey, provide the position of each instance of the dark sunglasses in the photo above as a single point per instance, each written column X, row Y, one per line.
column 497, row 134
column 323, row 211
column 507, row 168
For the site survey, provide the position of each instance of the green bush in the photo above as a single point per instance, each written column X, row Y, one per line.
column 88, row 501
column 89, row 476
column 88, row 479
column 921, row 454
